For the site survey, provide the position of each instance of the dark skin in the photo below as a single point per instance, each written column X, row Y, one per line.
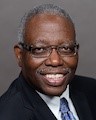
column 46, row 29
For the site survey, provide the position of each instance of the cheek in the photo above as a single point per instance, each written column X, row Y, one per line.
column 71, row 62
column 31, row 64
column 29, row 68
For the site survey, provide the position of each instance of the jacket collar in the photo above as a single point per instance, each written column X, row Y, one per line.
column 32, row 100
column 80, row 101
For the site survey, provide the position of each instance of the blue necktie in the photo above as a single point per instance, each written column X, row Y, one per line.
column 66, row 114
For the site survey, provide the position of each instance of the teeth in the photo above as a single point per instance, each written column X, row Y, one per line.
column 56, row 76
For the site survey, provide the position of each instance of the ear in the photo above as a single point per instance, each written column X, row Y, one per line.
column 18, row 54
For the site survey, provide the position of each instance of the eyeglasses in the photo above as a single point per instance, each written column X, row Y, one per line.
column 69, row 50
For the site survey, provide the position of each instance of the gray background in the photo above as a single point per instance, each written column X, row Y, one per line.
column 83, row 13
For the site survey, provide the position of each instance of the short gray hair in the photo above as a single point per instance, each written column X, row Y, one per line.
column 45, row 8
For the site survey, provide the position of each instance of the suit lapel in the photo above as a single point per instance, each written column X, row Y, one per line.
column 81, row 105
column 36, row 108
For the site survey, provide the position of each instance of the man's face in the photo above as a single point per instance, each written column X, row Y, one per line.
column 50, row 75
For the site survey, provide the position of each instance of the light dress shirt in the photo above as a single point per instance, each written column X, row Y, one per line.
column 53, row 103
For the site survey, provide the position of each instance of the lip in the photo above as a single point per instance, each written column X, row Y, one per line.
column 54, row 77
column 54, row 80
column 45, row 71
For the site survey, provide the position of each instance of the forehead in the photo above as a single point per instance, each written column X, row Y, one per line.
column 46, row 27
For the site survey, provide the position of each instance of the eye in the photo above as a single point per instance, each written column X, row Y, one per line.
column 67, row 49
column 38, row 50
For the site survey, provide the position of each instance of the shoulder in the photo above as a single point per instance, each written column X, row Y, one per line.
column 86, row 86
column 82, row 80
column 83, row 83
column 12, row 91
column 11, row 103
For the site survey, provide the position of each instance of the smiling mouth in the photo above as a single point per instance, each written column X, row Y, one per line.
column 55, row 79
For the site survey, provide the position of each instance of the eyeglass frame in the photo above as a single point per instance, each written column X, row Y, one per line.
column 29, row 48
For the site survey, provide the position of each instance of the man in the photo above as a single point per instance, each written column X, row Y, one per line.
column 47, row 53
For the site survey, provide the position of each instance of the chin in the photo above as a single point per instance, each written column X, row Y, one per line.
column 54, row 91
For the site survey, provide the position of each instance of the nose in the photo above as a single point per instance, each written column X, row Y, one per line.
column 54, row 59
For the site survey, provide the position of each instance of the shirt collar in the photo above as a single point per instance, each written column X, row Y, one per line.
column 49, row 99
column 53, row 102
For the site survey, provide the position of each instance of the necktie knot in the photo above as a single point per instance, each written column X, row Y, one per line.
column 64, row 105
column 66, row 114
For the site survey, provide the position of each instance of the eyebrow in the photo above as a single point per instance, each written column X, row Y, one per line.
column 45, row 42
column 40, row 42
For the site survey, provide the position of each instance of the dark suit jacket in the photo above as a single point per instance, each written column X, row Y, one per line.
column 21, row 102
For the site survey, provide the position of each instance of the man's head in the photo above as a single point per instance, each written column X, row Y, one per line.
column 47, row 51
